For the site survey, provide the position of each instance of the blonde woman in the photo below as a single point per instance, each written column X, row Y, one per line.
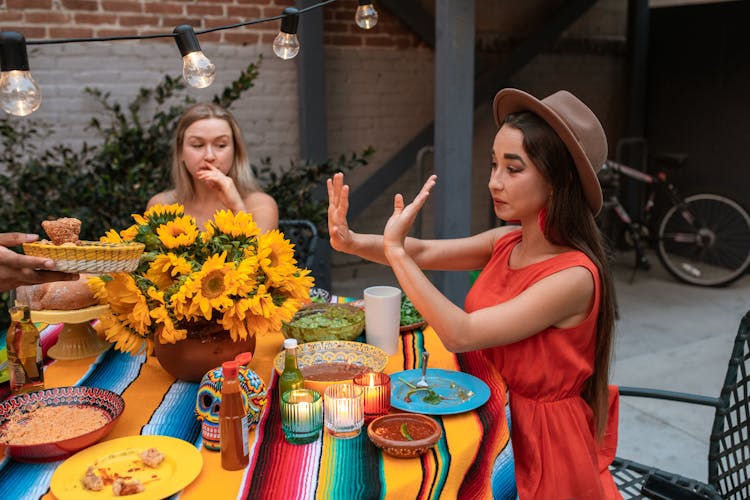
column 211, row 171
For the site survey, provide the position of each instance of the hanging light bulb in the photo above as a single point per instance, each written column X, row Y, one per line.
column 197, row 69
column 19, row 93
column 366, row 16
column 286, row 44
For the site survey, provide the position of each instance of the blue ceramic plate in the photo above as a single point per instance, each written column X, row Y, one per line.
column 458, row 392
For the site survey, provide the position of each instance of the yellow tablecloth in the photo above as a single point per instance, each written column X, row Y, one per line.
column 460, row 464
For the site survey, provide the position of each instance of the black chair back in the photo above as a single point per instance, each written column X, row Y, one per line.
column 729, row 447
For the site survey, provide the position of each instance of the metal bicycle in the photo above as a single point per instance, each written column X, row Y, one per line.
column 702, row 239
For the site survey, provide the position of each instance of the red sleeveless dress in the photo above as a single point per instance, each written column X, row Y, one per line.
column 555, row 452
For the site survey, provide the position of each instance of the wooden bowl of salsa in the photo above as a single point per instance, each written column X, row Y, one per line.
column 404, row 435
column 334, row 362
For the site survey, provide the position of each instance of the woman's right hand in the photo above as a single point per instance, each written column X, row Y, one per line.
column 338, row 206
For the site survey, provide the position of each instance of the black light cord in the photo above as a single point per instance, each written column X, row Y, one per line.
column 171, row 35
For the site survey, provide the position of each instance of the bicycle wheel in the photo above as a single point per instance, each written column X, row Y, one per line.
column 705, row 240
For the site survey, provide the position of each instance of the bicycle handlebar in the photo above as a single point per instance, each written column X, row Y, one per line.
column 630, row 172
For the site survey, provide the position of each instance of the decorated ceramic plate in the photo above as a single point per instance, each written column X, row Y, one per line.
column 121, row 457
column 31, row 413
column 449, row 392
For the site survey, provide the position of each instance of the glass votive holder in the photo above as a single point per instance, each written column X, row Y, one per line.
column 376, row 389
column 344, row 410
column 301, row 415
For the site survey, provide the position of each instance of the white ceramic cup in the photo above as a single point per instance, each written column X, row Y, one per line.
column 383, row 317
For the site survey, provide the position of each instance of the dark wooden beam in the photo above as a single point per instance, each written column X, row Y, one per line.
column 414, row 16
column 311, row 89
column 486, row 86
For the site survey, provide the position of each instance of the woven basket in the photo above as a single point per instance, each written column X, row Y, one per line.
column 89, row 256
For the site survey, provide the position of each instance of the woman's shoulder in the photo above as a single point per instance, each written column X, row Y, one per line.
column 163, row 198
column 259, row 198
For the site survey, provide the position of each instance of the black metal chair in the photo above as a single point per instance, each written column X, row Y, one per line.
column 304, row 235
column 729, row 444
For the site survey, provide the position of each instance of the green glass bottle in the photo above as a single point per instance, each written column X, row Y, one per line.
column 25, row 364
column 291, row 377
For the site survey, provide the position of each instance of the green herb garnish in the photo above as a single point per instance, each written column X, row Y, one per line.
column 405, row 432
column 409, row 314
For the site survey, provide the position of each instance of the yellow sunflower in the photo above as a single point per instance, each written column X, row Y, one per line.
column 165, row 268
column 228, row 274
column 111, row 236
column 180, row 232
column 125, row 339
column 157, row 210
column 275, row 256
column 210, row 288
column 235, row 225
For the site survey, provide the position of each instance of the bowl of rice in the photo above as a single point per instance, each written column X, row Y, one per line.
column 53, row 424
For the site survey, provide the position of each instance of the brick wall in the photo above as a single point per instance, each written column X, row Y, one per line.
column 38, row 19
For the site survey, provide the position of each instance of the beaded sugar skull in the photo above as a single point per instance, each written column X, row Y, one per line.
column 208, row 402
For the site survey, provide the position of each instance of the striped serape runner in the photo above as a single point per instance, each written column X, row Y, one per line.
column 458, row 467
column 472, row 460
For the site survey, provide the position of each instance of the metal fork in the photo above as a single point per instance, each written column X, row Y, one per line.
column 423, row 381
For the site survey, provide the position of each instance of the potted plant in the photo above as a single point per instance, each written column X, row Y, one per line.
column 199, row 296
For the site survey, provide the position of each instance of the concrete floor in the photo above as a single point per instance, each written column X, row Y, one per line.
column 668, row 336
column 677, row 337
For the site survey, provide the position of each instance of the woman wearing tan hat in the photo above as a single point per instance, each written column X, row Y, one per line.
column 542, row 310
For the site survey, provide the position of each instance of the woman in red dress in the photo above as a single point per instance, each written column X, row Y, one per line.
column 542, row 310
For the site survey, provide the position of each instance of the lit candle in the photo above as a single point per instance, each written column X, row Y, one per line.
column 377, row 393
column 301, row 415
column 344, row 410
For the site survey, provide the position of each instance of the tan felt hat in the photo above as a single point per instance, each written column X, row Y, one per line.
column 576, row 125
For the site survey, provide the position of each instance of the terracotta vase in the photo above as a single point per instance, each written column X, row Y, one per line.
column 207, row 346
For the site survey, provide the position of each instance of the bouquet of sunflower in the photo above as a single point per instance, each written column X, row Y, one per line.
column 228, row 274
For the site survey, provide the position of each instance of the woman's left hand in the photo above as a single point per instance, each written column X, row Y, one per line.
column 403, row 217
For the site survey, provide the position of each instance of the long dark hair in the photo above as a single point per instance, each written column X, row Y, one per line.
column 570, row 223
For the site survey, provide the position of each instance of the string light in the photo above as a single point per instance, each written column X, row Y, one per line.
column 286, row 44
column 366, row 16
column 19, row 93
column 197, row 69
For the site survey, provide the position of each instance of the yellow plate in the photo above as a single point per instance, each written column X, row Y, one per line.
column 182, row 464
column 71, row 316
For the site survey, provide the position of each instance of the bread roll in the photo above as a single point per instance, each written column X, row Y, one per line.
column 63, row 230
column 57, row 295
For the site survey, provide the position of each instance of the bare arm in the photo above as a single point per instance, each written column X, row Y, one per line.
column 450, row 254
column 18, row 269
column 264, row 209
column 562, row 299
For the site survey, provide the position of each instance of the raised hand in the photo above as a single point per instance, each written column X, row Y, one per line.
column 403, row 217
column 338, row 206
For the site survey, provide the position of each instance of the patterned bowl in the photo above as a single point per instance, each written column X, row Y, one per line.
column 90, row 256
column 109, row 403
column 316, row 322
column 334, row 362
column 404, row 435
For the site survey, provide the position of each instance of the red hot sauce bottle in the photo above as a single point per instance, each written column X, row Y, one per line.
column 232, row 422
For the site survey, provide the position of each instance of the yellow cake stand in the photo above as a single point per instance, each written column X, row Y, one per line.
column 77, row 338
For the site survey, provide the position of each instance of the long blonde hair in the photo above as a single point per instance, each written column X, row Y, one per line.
column 240, row 171
column 569, row 222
